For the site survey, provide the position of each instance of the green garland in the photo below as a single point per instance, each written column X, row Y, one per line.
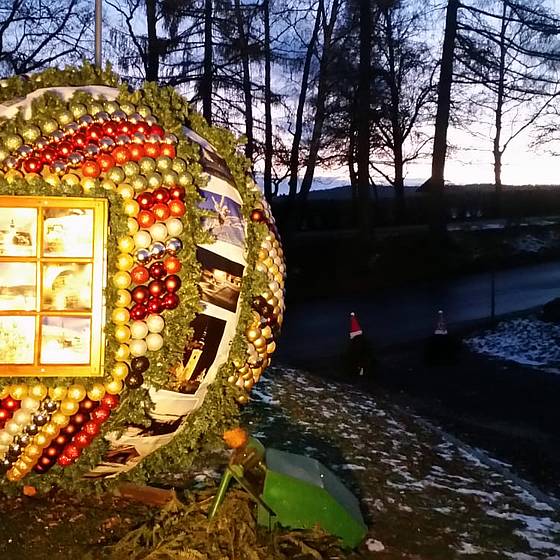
column 219, row 410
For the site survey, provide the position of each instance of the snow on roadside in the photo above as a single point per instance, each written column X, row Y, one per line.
column 421, row 493
column 528, row 341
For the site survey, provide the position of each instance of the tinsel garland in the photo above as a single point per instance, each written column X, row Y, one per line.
column 219, row 410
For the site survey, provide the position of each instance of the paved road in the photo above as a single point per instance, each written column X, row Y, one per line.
column 320, row 328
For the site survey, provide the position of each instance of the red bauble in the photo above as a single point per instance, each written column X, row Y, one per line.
column 4, row 415
column 39, row 469
column 145, row 200
column 110, row 401
column 155, row 305
column 152, row 149
column 157, row 271
column 45, row 461
column 121, row 155
column 177, row 192
column 136, row 152
column 170, row 301
column 86, row 405
column 51, row 452
column 139, row 274
column 177, row 208
column 156, row 129
column 142, row 127
column 65, row 148
column 145, row 219
column 99, row 415
column 80, row 139
column 79, row 418
column 91, row 168
column 65, row 461
column 110, row 128
column 257, row 215
column 172, row 283
column 70, row 430
column 32, row 165
column 156, row 287
column 60, row 440
column 95, row 132
column 105, row 161
column 72, row 451
column 172, row 265
column 161, row 194
column 49, row 155
column 140, row 294
column 161, row 211
column 10, row 404
column 168, row 150
column 138, row 312
column 91, row 428
column 81, row 440
column 126, row 127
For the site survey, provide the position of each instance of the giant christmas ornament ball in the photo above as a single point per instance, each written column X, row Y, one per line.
column 141, row 279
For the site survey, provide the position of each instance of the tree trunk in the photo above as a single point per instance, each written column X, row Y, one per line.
column 497, row 151
column 363, row 115
column 322, row 92
column 436, row 181
column 397, row 132
column 298, row 131
column 152, row 50
column 206, row 85
column 267, row 105
column 247, row 89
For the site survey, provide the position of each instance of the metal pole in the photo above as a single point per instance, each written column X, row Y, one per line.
column 493, row 295
column 98, row 30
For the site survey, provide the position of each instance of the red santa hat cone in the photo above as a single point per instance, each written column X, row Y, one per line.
column 355, row 329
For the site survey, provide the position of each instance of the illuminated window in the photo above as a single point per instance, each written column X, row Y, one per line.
column 52, row 276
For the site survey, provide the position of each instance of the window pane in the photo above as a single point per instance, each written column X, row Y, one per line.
column 68, row 232
column 67, row 287
column 18, row 232
column 17, row 340
column 65, row 340
column 18, row 286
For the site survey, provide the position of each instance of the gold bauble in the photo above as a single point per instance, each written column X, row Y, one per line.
column 132, row 225
column 26, row 460
column 51, row 429
column 14, row 474
column 179, row 165
column 260, row 342
column 95, row 107
column 108, row 185
column 122, row 333
column 4, row 392
column 131, row 208
column 131, row 169
column 123, row 298
column 248, row 384
column 64, row 117
column 96, row 392
column 13, row 142
column 60, row 419
column 112, row 106
column 30, row 133
column 18, row 392
column 122, row 352
column 121, row 280
column 68, row 407
column 116, row 174
column 124, row 261
column 33, row 451
column 169, row 178
column 243, row 399
column 147, row 165
column 76, row 393
column 125, row 191
column 164, row 163
column 38, row 391
column 120, row 370
column 271, row 347
column 126, row 244
column 78, row 109
column 41, row 440
column 139, row 183
column 253, row 334
column 144, row 110
column 114, row 387
column 57, row 393
column 184, row 179
column 154, row 180
column 88, row 183
column 71, row 180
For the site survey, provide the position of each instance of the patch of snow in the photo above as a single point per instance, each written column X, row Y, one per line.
column 375, row 546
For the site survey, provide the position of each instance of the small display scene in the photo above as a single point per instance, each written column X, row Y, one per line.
column 17, row 340
column 68, row 232
column 18, row 232
column 18, row 286
column 65, row 340
column 67, row 287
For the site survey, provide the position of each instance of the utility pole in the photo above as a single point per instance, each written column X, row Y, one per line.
column 98, row 31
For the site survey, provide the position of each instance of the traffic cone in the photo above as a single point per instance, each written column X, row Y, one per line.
column 355, row 329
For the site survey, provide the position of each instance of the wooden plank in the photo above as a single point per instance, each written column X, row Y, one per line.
column 148, row 495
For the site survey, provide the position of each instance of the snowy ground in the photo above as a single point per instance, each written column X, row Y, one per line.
column 528, row 341
column 424, row 496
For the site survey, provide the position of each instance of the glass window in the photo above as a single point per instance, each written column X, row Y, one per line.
column 51, row 300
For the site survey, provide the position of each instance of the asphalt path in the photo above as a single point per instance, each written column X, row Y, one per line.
column 319, row 328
